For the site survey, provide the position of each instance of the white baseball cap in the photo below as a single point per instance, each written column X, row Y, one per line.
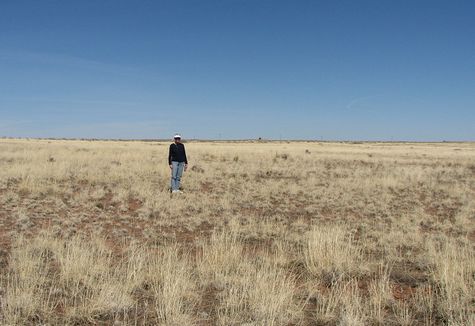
column 177, row 136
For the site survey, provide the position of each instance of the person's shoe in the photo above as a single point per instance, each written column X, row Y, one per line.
column 175, row 191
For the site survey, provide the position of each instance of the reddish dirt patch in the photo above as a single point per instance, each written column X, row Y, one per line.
column 134, row 204
column 107, row 202
column 403, row 292
column 206, row 186
column 471, row 236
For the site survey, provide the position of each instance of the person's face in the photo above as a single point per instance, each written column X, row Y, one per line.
column 177, row 140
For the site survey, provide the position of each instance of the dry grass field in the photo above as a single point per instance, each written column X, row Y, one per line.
column 266, row 233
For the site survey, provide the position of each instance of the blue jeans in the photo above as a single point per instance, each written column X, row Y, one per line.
column 177, row 171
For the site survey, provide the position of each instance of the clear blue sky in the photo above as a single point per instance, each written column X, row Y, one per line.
column 369, row 70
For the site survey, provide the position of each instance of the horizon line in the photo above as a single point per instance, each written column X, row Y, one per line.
column 236, row 140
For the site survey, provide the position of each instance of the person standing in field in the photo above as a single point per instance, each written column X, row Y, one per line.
column 177, row 162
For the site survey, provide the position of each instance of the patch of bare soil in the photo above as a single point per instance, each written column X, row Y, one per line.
column 134, row 205
column 206, row 186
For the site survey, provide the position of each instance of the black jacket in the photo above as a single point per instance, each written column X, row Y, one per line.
column 177, row 153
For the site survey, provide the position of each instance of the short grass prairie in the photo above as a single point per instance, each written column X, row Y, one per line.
column 265, row 233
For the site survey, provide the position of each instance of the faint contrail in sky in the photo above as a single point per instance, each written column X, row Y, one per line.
column 357, row 100
column 60, row 59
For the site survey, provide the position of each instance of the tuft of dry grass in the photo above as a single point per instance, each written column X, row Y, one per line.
column 453, row 266
column 331, row 254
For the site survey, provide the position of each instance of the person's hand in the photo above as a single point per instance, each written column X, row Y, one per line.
column 171, row 167
column 186, row 167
